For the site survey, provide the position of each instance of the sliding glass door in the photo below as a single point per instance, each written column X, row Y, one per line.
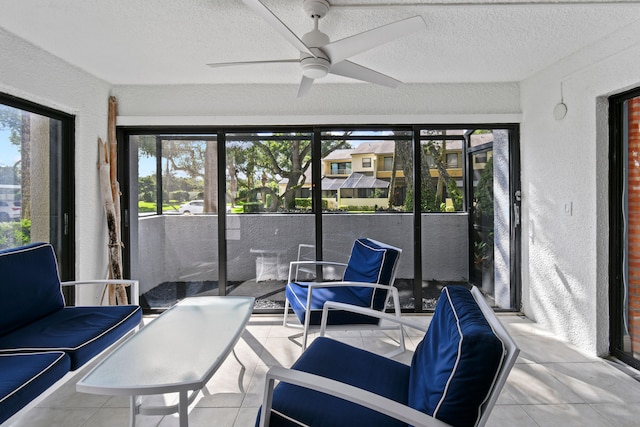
column 223, row 211
column 624, row 284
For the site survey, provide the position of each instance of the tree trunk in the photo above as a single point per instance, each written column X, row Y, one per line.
column 25, row 165
column 211, row 177
column 392, row 182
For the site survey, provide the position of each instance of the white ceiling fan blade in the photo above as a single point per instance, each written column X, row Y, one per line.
column 355, row 71
column 278, row 25
column 305, row 86
column 233, row 64
column 340, row 50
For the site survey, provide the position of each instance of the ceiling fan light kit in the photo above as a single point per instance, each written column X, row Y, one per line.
column 319, row 56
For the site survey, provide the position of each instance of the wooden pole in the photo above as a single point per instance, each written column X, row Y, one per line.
column 121, row 295
column 110, row 190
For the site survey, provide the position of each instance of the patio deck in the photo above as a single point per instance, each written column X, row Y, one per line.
column 552, row 384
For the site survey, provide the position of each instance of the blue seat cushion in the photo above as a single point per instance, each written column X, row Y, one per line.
column 82, row 332
column 29, row 279
column 297, row 293
column 341, row 362
column 456, row 364
column 25, row 376
column 370, row 262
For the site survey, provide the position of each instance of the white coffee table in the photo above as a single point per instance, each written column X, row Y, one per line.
column 177, row 352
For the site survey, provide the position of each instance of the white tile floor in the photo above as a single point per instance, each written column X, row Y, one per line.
column 552, row 384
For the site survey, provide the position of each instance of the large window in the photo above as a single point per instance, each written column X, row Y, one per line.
column 36, row 178
column 223, row 211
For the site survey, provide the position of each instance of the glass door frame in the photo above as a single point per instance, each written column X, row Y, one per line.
column 515, row 198
column 128, row 189
column 617, row 230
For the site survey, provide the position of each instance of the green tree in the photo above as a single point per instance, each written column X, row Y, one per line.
column 18, row 122
column 266, row 161
column 187, row 165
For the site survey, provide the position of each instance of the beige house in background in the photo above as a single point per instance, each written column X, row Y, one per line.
column 361, row 176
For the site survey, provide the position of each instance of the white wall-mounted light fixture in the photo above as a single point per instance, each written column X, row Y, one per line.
column 560, row 110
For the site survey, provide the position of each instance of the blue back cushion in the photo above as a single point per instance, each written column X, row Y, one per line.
column 456, row 364
column 29, row 279
column 370, row 263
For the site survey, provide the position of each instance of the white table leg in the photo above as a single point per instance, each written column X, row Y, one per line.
column 241, row 373
column 134, row 411
column 183, row 409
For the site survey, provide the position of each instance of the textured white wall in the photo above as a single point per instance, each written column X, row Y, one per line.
column 326, row 104
column 565, row 257
column 30, row 73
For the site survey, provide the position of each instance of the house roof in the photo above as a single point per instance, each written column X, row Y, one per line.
column 341, row 154
column 332, row 183
column 358, row 180
column 375, row 147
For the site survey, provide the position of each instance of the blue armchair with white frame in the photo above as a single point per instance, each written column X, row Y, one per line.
column 367, row 281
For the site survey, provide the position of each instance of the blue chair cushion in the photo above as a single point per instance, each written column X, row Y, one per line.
column 26, row 376
column 82, row 332
column 456, row 364
column 341, row 362
column 29, row 279
column 371, row 263
column 297, row 292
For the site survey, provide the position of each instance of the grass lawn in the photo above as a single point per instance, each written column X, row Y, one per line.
column 151, row 206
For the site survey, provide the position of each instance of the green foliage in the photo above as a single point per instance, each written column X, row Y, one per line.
column 13, row 234
column 179, row 196
column 147, row 188
column 354, row 208
column 11, row 118
column 427, row 202
column 456, row 195
column 304, row 203
column 253, row 207
column 484, row 192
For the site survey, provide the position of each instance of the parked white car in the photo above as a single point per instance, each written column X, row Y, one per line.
column 9, row 211
column 192, row 207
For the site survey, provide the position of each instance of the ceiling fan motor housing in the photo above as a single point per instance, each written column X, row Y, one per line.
column 315, row 68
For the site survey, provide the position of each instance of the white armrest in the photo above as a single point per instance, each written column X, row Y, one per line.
column 343, row 391
column 367, row 311
column 357, row 284
column 134, row 284
column 297, row 264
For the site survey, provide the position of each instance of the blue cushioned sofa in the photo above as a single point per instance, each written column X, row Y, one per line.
column 455, row 376
column 41, row 339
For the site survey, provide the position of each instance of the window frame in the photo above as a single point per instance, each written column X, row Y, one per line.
column 64, row 200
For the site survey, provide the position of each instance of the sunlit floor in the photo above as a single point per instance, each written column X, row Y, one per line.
column 552, row 384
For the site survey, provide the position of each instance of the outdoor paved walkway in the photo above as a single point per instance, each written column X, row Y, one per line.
column 552, row 384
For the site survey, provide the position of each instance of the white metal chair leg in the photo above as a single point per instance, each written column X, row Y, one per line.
column 286, row 312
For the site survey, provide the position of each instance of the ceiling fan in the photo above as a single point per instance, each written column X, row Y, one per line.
column 319, row 56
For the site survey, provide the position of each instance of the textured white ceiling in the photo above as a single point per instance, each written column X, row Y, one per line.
column 171, row 41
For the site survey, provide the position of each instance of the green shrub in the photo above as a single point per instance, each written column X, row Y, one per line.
column 353, row 208
column 180, row 196
column 304, row 202
column 14, row 234
column 253, row 207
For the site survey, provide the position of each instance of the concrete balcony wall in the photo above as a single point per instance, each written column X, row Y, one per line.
column 184, row 248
